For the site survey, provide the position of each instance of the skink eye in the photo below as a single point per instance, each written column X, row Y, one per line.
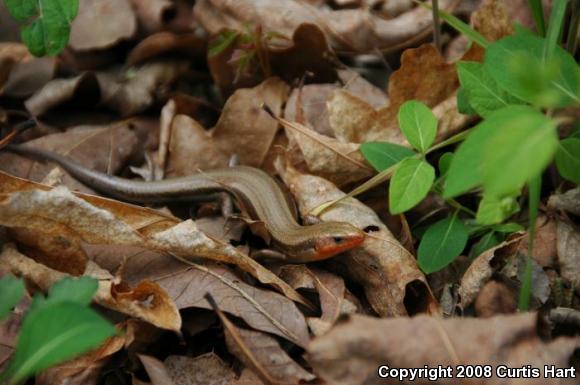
column 337, row 239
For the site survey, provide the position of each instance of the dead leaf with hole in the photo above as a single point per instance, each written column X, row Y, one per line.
column 352, row 351
column 207, row 369
column 187, row 284
column 101, row 24
column 393, row 283
column 146, row 300
column 104, row 221
column 346, row 30
column 482, row 268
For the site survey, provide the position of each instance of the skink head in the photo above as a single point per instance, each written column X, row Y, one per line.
column 336, row 238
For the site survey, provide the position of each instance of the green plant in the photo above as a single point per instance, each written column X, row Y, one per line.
column 48, row 22
column 522, row 81
column 56, row 328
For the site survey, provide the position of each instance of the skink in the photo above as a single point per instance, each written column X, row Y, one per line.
column 258, row 195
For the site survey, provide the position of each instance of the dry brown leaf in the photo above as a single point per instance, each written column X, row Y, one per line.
column 27, row 77
column 207, row 369
column 267, row 351
column 482, row 268
column 166, row 43
column 146, row 85
column 82, row 90
column 244, row 129
column 146, row 300
column 569, row 252
column 352, row 351
column 261, row 309
column 156, row 370
column 105, row 221
column 330, row 158
column 346, row 30
column 545, row 244
column 101, row 24
column 569, row 201
column 331, row 292
column 192, row 148
column 495, row 298
column 393, row 283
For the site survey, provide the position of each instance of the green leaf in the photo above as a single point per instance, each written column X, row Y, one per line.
column 483, row 93
column 493, row 210
column 418, row 124
column 463, row 105
column 53, row 334
column 79, row 290
column 222, row 42
column 49, row 30
column 519, row 149
column 517, row 64
column 445, row 163
column 441, row 244
column 22, row 10
column 410, row 185
column 568, row 159
column 465, row 170
column 11, row 291
column 382, row 155
column 487, row 241
column 508, row 227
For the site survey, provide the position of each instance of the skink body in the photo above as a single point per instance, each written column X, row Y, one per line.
column 257, row 194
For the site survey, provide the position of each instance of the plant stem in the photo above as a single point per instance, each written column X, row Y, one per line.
column 535, row 186
column 538, row 12
column 436, row 25
column 572, row 41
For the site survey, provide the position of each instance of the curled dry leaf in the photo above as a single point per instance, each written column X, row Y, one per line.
column 346, row 30
column 27, row 77
column 569, row 252
column 393, row 283
column 146, row 85
column 104, row 221
column 352, row 351
column 166, row 43
column 154, row 15
column 207, row 369
column 260, row 308
column 146, row 300
column 244, row 128
column 81, row 89
column 483, row 267
column 101, row 24
column 568, row 201
column 331, row 292
column 495, row 298
column 265, row 350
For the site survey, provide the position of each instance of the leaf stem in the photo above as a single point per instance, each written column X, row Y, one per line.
column 436, row 25
column 572, row 40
